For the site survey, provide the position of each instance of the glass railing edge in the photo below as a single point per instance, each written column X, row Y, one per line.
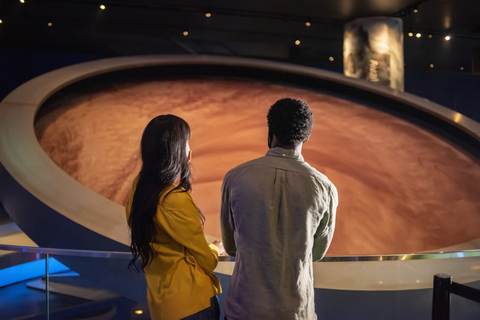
column 327, row 258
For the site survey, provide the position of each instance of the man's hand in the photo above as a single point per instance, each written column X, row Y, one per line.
column 219, row 244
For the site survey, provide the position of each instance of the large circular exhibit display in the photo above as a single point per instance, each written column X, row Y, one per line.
column 407, row 170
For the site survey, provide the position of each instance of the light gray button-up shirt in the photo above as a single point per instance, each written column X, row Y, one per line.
column 277, row 217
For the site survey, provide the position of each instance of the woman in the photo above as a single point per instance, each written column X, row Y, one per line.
column 167, row 228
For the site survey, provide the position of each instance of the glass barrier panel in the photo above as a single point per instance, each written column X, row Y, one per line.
column 388, row 288
column 22, row 286
column 98, row 285
column 70, row 294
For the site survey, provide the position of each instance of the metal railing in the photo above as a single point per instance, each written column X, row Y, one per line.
column 443, row 286
column 327, row 258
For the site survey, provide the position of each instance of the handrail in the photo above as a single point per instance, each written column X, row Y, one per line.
column 68, row 252
column 128, row 255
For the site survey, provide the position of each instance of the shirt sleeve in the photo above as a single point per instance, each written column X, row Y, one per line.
column 227, row 222
column 179, row 218
column 324, row 234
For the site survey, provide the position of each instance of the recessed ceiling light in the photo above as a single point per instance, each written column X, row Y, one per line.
column 410, row 34
column 22, row 1
column 308, row 24
column 431, row 65
column 330, row 58
column 102, row 7
column 461, row 68
column 448, row 38
column 418, row 35
column 1, row 21
column 297, row 42
column 138, row 311
column 208, row 14
column 430, row 35
column 185, row 33
column 49, row 24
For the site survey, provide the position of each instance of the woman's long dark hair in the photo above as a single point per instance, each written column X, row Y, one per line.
column 165, row 160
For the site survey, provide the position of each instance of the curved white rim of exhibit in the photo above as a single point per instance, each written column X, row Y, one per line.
column 24, row 159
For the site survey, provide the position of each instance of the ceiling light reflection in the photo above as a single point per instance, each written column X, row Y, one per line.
column 457, row 118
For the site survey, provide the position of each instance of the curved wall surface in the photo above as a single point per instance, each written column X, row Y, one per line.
column 56, row 210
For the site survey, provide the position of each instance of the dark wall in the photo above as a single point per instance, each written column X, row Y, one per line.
column 459, row 91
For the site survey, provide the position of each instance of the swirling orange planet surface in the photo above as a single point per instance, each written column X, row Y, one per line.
column 401, row 187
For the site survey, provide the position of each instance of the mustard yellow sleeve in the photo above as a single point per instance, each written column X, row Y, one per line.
column 179, row 217
column 128, row 205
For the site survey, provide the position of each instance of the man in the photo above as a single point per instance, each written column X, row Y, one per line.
column 277, row 217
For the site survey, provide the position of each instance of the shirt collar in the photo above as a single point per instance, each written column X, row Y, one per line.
column 286, row 153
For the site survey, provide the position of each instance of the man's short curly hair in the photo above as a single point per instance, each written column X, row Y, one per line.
column 290, row 120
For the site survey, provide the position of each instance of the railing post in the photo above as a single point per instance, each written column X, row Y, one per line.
column 47, row 289
column 441, row 296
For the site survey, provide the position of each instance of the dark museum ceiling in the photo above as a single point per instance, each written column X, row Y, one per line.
column 262, row 28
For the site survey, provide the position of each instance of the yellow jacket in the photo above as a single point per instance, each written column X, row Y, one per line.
column 180, row 279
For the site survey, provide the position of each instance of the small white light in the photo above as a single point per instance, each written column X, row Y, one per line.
column 208, row 14
column 330, row 58
column 102, row 7
column 1, row 21
column 297, row 42
column 185, row 33
column 308, row 24
column 458, row 117
column 418, row 35
column 410, row 34
column 22, row 1
column 138, row 311
column 448, row 38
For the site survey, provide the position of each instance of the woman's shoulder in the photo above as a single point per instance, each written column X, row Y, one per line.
column 175, row 195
